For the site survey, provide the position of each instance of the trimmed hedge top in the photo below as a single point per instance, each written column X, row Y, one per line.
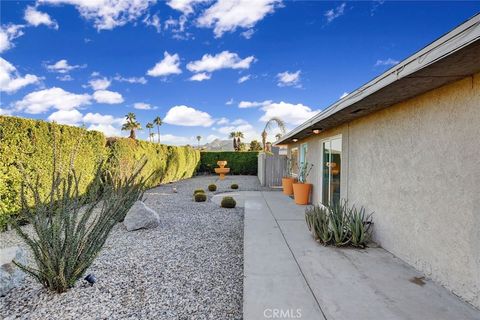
column 238, row 162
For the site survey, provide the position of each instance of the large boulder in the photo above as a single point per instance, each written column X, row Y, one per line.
column 141, row 217
column 10, row 274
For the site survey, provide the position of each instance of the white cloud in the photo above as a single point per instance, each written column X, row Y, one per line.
column 100, row 84
column 143, row 106
column 107, row 129
column 169, row 65
column 223, row 121
column 57, row 98
column 333, row 14
column 243, row 126
column 248, row 34
column 244, row 78
column 184, row 6
column 11, row 80
column 65, row 77
column 200, row 76
column 107, row 14
column 5, row 112
column 228, row 15
column 176, row 140
column 36, row 18
column 386, row 62
column 229, row 102
column 70, row 117
column 187, row 116
column 344, row 95
column 7, row 34
column 253, row 104
column 107, row 124
column 106, row 96
column 290, row 113
column 140, row 80
column 153, row 21
column 287, row 79
column 223, row 60
column 62, row 66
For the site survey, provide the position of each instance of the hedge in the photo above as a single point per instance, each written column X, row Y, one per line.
column 238, row 162
column 29, row 142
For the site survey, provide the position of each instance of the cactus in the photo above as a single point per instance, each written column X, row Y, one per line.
column 200, row 197
column 212, row 187
column 228, row 202
column 234, row 186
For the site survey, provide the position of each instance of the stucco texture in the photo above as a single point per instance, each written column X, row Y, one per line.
column 416, row 165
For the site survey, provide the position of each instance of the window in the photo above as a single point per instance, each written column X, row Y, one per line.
column 303, row 154
column 294, row 160
column 331, row 169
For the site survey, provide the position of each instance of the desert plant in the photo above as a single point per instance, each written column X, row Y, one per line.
column 212, row 187
column 228, row 202
column 200, row 197
column 234, row 186
column 304, row 170
column 359, row 225
column 71, row 229
column 198, row 191
column 318, row 223
column 339, row 214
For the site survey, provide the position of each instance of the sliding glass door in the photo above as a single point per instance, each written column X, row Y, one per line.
column 331, row 168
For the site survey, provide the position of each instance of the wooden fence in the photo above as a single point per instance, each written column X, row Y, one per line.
column 271, row 168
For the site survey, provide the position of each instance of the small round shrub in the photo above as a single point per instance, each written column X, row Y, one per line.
column 198, row 191
column 200, row 197
column 212, row 187
column 234, row 186
column 228, row 202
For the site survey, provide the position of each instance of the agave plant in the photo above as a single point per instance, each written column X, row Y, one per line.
column 339, row 219
column 70, row 229
column 359, row 226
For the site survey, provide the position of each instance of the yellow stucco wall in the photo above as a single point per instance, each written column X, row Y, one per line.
column 416, row 165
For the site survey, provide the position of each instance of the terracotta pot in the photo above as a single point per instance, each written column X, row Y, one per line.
column 287, row 184
column 301, row 192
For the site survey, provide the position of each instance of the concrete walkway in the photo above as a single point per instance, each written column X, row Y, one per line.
column 287, row 275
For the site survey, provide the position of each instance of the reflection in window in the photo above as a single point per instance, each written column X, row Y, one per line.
column 331, row 166
column 294, row 160
column 303, row 154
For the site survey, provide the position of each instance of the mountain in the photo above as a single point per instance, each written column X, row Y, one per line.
column 218, row 145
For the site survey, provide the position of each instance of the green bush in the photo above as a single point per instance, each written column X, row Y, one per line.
column 234, row 186
column 238, row 162
column 29, row 143
column 228, row 202
column 198, row 191
column 212, row 187
column 200, row 197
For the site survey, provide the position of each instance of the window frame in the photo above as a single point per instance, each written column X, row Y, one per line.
column 320, row 171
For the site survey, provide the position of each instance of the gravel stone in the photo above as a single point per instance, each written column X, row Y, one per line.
column 190, row 267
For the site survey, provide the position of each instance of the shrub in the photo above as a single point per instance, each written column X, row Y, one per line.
column 238, row 162
column 198, row 191
column 228, row 202
column 200, row 197
column 29, row 142
column 70, row 229
column 212, row 187
column 234, row 186
column 339, row 224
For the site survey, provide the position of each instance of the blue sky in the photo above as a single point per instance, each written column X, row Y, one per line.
column 206, row 67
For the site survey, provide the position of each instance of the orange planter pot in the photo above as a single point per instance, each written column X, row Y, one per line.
column 301, row 192
column 287, row 185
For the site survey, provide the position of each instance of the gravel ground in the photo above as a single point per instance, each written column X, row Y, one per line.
column 190, row 267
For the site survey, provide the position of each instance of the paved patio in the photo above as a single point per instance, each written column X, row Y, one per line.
column 288, row 275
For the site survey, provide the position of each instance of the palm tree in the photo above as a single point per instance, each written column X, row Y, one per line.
column 158, row 122
column 151, row 135
column 234, row 136
column 239, row 135
column 278, row 136
column 149, row 126
column 198, row 139
column 132, row 124
column 280, row 124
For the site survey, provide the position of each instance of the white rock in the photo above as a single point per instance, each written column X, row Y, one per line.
column 10, row 274
column 141, row 217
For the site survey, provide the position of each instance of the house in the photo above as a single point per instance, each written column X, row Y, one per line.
column 406, row 146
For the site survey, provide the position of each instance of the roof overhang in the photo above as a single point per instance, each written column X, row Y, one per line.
column 452, row 57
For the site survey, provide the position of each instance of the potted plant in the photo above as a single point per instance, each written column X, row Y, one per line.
column 302, row 189
column 288, row 180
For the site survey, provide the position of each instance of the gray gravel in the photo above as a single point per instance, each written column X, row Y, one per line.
column 190, row 267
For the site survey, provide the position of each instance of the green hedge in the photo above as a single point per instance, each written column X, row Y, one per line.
column 238, row 162
column 29, row 142
column 165, row 163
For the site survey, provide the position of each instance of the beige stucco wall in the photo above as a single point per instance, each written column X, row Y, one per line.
column 416, row 165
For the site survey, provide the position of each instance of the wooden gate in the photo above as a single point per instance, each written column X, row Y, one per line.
column 272, row 168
